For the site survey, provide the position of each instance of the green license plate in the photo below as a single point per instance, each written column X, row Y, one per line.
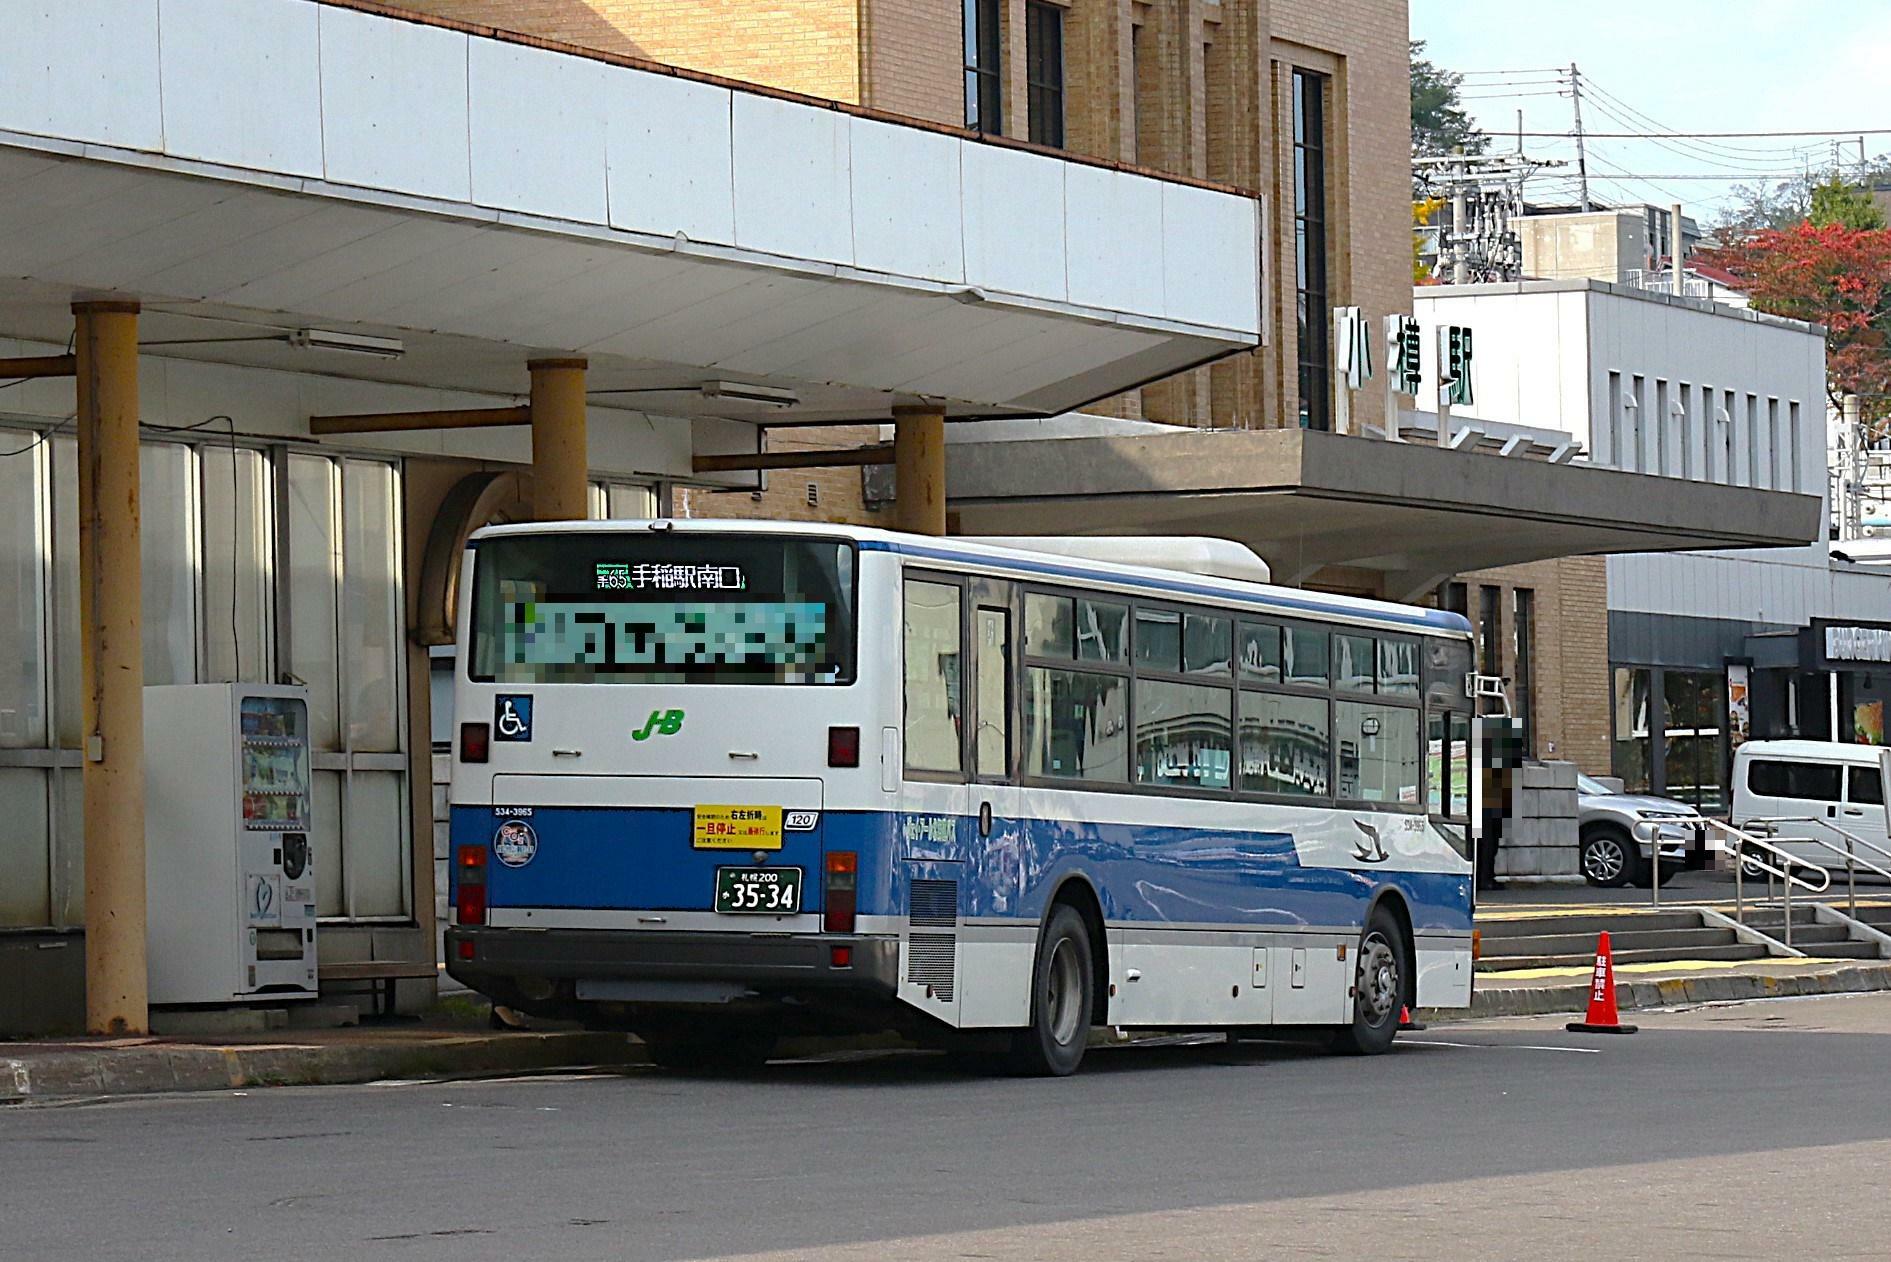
column 758, row 891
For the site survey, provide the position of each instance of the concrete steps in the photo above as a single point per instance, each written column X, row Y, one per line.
column 1588, row 924
column 1731, row 949
column 1812, row 935
column 1878, row 918
column 1569, row 941
column 1652, row 937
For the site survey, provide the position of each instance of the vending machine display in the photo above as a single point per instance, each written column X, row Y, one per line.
column 231, row 913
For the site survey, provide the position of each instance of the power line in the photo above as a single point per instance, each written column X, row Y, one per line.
column 1645, row 118
column 1556, row 70
column 1840, row 133
column 1507, row 96
column 1630, row 175
column 1700, row 153
column 1729, row 177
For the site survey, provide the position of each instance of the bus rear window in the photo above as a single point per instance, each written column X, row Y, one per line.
column 643, row 607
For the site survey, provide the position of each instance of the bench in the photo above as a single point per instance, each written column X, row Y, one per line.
column 381, row 977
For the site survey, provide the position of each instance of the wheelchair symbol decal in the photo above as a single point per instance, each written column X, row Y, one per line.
column 512, row 717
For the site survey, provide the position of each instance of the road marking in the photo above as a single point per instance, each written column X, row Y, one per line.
column 1502, row 1047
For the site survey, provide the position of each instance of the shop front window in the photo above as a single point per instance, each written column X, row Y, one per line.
column 1633, row 759
column 1694, row 701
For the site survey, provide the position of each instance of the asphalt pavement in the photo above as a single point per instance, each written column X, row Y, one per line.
column 1757, row 1130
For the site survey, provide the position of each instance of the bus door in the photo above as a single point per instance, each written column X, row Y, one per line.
column 998, row 848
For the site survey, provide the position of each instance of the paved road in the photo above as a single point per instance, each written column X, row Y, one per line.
column 1496, row 1140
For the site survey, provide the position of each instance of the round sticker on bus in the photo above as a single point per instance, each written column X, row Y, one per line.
column 515, row 843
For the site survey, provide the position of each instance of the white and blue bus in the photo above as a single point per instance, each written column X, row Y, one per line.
column 719, row 781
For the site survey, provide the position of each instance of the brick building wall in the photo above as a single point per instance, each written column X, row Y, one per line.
column 809, row 46
column 1570, row 651
column 914, row 61
column 1202, row 89
column 1362, row 44
column 838, row 490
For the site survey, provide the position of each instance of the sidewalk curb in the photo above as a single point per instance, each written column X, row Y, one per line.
column 1531, row 1001
column 120, row 1071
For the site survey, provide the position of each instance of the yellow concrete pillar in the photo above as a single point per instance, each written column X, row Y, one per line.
column 112, row 664
column 561, row 462
column 919, row 495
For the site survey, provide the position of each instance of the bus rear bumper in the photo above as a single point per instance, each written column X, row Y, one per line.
column 552, row 969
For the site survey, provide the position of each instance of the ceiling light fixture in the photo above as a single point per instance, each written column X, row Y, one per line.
column 354, row 343
column 742, row 392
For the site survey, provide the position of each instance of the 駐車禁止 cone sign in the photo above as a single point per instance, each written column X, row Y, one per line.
column 1602, row 1017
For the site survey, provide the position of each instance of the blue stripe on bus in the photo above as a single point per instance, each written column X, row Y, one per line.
column 1436, row 619
column 641, row 858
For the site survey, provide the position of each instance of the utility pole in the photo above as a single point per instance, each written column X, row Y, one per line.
column 1461, row 234
column 1582, row 158
column 1853, row 460
column 1674, row 250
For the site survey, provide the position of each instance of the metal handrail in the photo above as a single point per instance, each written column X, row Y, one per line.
column 1784, row 871
column 1849, row 853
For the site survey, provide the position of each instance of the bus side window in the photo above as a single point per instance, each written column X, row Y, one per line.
column 934, row 709
column 992, row 750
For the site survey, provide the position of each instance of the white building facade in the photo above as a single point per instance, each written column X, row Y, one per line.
column 1705, row 648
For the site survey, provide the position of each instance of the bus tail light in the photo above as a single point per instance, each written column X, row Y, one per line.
column 837, row 894
column 470, row 907
column 469, row 899
column 843, row 747
column 475, row 742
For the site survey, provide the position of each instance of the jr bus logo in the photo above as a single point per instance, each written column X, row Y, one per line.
column 661, row 723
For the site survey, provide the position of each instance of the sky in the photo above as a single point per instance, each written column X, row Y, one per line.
column 1688, row 65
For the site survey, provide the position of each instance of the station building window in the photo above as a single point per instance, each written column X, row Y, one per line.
column 258, row 564
column 984, row 67
column 1313, row 314
column 1044, row 72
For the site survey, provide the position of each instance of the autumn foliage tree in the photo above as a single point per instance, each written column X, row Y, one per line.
column 1832, row 275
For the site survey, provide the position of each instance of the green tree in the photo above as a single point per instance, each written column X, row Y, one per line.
column 1780, row 204
column 1439, row 123
column 1847, row 205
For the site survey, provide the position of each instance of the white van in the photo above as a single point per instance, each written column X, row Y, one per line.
column 1839, row 784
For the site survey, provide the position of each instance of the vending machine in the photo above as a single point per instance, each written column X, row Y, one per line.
column 230, row 871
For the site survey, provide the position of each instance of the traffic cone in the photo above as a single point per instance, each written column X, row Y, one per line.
column 1602, row 1017
column 1405, row 1019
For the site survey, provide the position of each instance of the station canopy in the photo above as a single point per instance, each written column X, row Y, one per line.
column 478, row 199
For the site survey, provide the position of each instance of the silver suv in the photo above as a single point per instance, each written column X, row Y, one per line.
column 1619, row 832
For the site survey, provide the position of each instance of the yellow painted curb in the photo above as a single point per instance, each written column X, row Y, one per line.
column 1656, row 966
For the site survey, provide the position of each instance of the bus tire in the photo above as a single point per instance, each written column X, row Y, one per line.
column 1062, row 985
column 1382, row 979
column 718, row 1048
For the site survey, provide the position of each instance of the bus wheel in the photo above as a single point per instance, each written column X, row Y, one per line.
column 714, row 1047
column 1379, row 988
column 1062, row 984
